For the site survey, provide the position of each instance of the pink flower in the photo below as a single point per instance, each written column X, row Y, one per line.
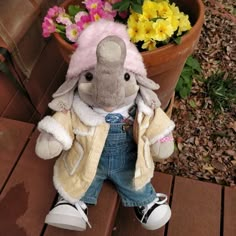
column 64, row 19
column 93, row 4
column 72, row 32
column 96, row 14
column 48, row 27
column 54, row 11
column 108, row 8
column 79, row 15
column 100, row 14
column 84, row 22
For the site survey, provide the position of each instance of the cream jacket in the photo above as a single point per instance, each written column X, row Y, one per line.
column 83, row 133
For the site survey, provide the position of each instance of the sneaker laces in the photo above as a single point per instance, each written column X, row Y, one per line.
column 60, row 199
column 160, row 199
column 81, row 206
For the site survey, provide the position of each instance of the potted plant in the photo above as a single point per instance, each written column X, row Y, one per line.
column 167, row 54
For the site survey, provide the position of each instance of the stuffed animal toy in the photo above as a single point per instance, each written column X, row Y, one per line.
column 107, row 124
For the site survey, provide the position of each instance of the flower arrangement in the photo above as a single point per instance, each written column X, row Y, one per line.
column 150, row 23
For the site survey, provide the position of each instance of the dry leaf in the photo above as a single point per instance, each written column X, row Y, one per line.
column 218, row 165
column 180, row 146
column 208, row 168
column 234, row 162
column 230, row 152
column 233, row 126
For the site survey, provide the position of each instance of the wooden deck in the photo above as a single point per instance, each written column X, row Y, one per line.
column 27, row 194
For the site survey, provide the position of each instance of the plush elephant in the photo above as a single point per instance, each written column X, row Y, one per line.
column 107, row 124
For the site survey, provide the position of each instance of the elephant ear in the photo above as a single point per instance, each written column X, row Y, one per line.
column 63, row 97
column 147, row 83
column 149, row 97
column 146, row 87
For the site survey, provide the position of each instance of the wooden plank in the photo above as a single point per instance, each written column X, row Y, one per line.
column 196, row 208
column 28, row 194
column 7, row 91
column 19, row 108
column 127, row 224
column 101, row 216
column 44, row 71
column 229, row 212
column 13, row 137
column 56, row 81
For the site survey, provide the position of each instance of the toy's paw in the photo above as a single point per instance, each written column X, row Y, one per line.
column 47, row 146
column 163, row 148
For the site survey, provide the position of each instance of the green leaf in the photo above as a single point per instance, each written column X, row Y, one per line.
column 187, row 72
column 60, row 27
column 73, row 10
column 177, row 40
column 221, row 88
column 117, row 5
column 191, row 70
column 125, row 6
column 184, row 92
column 192, row 103
column 137, row 8
column 140, row 2
column 194, row 64
column 156, row 18
column 179, row 85
column 122, row 5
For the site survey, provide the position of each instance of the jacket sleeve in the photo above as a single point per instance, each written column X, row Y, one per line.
column 159, row 134
column 56, row 135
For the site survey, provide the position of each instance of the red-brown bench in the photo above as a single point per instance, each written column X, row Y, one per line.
column 27, row 194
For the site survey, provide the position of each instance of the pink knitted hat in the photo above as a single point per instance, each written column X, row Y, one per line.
column 84, row 56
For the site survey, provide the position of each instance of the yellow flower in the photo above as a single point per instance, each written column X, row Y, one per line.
column 133, row 18
column 149, row 9
column 147, row 30
column 163, row 30
column 159, row 21
column 163, row 10
column 174, row 21
column 135, row 31
column 174, row 9
column 184, row 24
column 149, row 45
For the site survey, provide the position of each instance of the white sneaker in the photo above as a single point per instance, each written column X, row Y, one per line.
column 154, row 215
column 68, row 216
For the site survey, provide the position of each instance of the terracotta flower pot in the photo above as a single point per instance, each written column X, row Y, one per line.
column 164, row 64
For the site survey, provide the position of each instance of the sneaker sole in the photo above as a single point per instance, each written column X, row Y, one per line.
column 161, row 222
column 65, row 222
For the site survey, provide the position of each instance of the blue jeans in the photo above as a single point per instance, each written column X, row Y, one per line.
column 117, row 163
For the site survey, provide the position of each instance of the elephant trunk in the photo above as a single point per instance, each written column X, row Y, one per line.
column 109, row 72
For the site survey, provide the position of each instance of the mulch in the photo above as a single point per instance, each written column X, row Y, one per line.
column 206, row 140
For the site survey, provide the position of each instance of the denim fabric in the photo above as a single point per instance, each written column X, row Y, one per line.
column 117, row 164
column 114, row 118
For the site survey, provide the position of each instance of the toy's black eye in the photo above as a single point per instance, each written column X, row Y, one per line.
column 127, row 76
column 88, row 76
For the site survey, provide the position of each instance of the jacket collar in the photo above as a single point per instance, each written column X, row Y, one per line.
column 91, row 118
column 86, row 114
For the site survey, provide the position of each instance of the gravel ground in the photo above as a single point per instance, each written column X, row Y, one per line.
column 206, row 141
